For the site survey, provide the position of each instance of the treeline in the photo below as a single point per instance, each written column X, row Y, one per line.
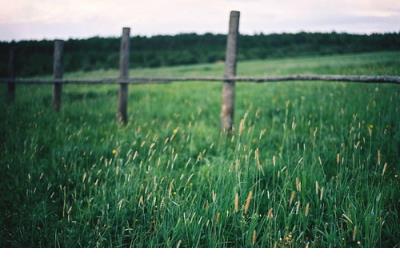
column 35, row 57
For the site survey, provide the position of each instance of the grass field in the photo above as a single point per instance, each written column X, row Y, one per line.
column 310, row 164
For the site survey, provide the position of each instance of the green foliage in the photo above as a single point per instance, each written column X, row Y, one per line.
column 320, row 160
column 35, row 57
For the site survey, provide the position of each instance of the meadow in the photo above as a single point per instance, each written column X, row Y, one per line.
column 309, row 164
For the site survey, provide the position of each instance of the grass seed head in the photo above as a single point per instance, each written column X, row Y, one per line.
column 384, row 169
column 141, row 201
column 292, row 197
column 214, row 196
column 236, row 203
column 270, row 214
column 307, row 210
column 257, row 158
column 320, row 161
column 297, row 207
column 262, row 133
column 321, row 195
column 241, row 127
column 370, row 128
column 248, row 201
column 378, row 158
column 298, row 184
column 217, row 217
column 354, row 233
column 179, row 244
column 254, row 238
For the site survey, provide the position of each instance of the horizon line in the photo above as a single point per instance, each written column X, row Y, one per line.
column 200, row 34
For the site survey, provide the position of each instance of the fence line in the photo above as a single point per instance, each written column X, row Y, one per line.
column 229, row 79
column 251, row 79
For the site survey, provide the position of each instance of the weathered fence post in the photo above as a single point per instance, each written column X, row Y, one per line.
column 228, row 90
column 11, row 75
column 58, row 70
column 122, row 114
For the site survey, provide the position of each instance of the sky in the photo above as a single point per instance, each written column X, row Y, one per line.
column 50, row 19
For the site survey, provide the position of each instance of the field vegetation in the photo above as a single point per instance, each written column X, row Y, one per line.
column 309, row 164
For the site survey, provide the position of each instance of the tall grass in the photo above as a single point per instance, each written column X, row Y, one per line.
column 308, row 165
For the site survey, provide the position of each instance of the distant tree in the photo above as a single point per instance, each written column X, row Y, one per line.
column 35, row 57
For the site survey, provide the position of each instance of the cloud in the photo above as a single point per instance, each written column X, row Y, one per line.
column 26, row 19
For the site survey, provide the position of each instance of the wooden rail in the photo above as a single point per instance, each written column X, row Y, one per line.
column 229, row 79
column 146, row 80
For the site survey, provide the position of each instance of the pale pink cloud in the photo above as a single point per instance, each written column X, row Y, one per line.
column 28, row 19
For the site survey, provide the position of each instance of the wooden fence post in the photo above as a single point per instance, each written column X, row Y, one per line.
column 228, row 90
column 58, row 70
column 11, row 75
column 122, row 115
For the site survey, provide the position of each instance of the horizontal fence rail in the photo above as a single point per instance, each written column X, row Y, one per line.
column 228, row 79
column 144, row 80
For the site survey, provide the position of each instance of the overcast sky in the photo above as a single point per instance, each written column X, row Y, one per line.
column 38, row 19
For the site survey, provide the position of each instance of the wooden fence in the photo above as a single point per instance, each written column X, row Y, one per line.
column 229, row 79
